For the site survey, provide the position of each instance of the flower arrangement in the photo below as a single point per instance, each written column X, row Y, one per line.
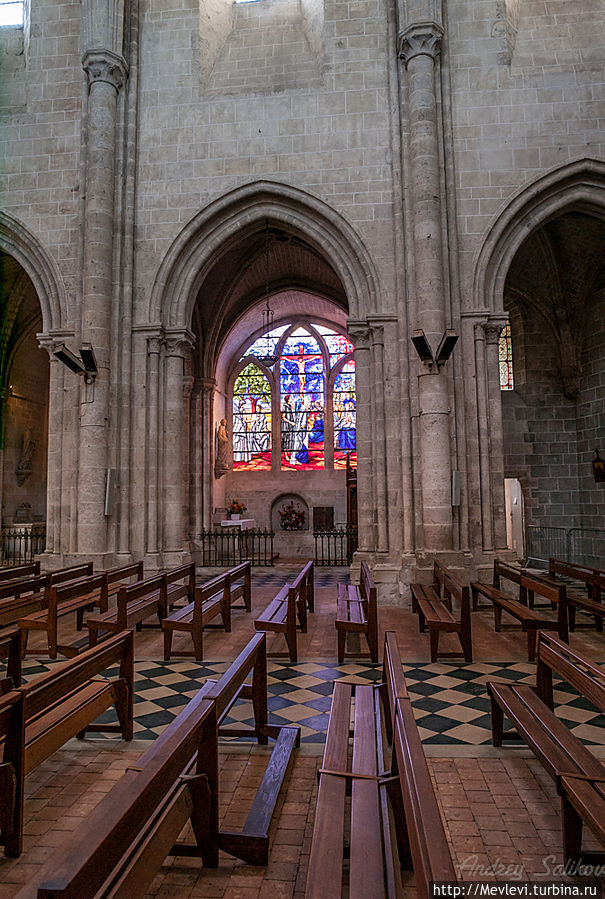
column 291, row 519
column 236, row 507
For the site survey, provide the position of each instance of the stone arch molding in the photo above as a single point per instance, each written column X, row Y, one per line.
column 242, row 211
column 575, row 186
column 18, row 242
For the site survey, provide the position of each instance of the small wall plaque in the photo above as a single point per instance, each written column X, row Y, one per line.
column 598, row 468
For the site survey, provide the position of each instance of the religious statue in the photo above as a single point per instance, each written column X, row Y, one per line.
column 221, row 463
column 25, row 464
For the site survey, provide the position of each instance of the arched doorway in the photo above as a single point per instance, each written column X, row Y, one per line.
column 24, row 386
column 286, row 394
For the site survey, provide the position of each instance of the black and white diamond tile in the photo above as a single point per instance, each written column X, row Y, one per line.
column 450, row 701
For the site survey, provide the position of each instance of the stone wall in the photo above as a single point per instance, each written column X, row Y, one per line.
column 591, row 415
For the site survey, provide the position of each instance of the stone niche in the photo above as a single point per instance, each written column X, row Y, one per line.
column 287, row 499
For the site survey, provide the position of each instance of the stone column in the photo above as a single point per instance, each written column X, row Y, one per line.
column 206, row 472
column 483, row 434
column 493, row 329
column 197, row 459
column 174, row 493
column 359, row 333
column 152, row 463
column 379, row 444
column 419, row 46
column 105, row 71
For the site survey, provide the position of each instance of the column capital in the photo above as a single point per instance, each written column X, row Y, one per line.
column 103, row 65
column 207, row 385
column 420, row 40
column 188, row 383
column 359, row 332
column 52, row 340
column 490, row 329
column 179, row 342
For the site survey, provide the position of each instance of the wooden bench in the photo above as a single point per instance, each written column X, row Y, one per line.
column 588, row 599
column 287, row 612
column 19, row 598
column 118, row 848
column 434, row 607
column 530, row 620
column 357, row 613
column 15, row 572
column 10, row 649
column 12, row 775
column 210, row 600
column 512, row 574
column 394, row 820
column 66, row 701
column 144, row 599
column 241, row 585
column 531, row 712
column 61, row 600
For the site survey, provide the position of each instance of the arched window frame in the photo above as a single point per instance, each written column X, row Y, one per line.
column 505, row 359
column 273, row 376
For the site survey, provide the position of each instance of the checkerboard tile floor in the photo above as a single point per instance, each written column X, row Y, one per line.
column 450, row 701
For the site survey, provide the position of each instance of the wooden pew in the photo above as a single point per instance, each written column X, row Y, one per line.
column 530, row 620
column 12, row 773
column 241, row 585
column 586, row 598
column 61, row 600
column 144, row 599
column 502, row 572
column 434, row 607
column 531, row 711
column 19, row 598
column 66, row 701
column 357, row 613
column 124, row 840
column 16, row 572
column 210, row 600
column 10, row 649
column 394, row 819
column 287, row 612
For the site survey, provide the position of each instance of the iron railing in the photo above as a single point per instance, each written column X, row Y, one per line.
column 335, row 547
column 230, row 546
column 19, row 545
column 584, row 546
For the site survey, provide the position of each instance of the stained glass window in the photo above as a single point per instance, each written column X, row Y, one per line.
column 309, row 358
column 345, row 416
column 301, row 373
column 251, row 421
column 506, row 359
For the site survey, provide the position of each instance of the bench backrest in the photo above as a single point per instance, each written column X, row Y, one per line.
column 125, row 571
column 503, row 571
column 15, row 589
column 10, row 649
column 43, row 691
column 594, row 578
column 58, row 593
column 586, row 677
column 115, row 830
column 70, row 574
column 303, row 584
column 393, row 679
column 429, row 848
column 367, row 587
column 12, row 771
column 447, row 585
column 19, row 571
column 130, row 592
column 107, row 840
column 556, row 593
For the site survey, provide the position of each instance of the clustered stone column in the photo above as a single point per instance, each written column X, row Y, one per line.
column 174, row 433
column 419, row 48
column 359, row 333
column 106, row 72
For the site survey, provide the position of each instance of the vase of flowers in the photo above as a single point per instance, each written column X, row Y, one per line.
column 291, row 518
column 236, row 509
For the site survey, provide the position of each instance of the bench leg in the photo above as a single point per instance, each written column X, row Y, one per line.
column 434, row 633
column 467, row 645
column 342, row 636
column 571, row 612
column 475, row 598
column 226, row 614
column 571, row 825
column 497, row 619
column 167, row 644
column 421, row 621
column 497, row 723
column 291, row 641
column 532, row 639
column 197, row 636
